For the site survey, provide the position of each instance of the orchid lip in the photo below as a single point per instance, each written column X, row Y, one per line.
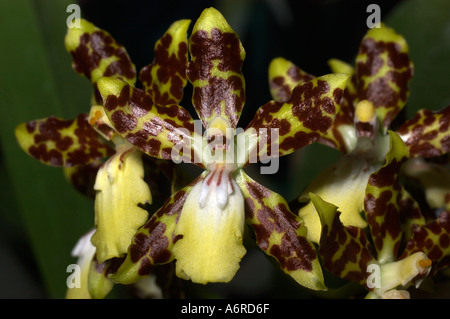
column 220, row 179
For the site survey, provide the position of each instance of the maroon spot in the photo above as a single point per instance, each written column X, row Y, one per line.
column 123, row 122
column 226, row 48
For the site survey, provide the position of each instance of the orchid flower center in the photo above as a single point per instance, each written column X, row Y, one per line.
column 220, row 163
column 371, row 144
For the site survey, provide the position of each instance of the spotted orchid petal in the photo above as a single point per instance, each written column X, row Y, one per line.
column 383, row 72
column 215, row 69
column 152, row 244
column 118, row 211
column 96, row 54
column 433, row 239
column 284, row 76
column 58, row 142
column 350, row 93
column 345, row 251
column 82, row 177
column 298, row 122
column 155, row 130
column 427, row 133
column 382, row 202
column 280, row 234
column 342, row 134
column 410, row 213
column 165, row 78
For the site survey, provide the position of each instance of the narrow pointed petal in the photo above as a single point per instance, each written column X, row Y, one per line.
column 341, row 135
column 211, row 233
column 427, row 133
column 215, row 72
column 350, row 94
column 96, row 54
column 121, row 191
column 345, row 251
column 152, row 244
column 284, row 76
column 382, row 202
column 280, row 234
column 301, row 120
column 58, row 142
column 165, row 78
column 434, row 240
column 383, row 71
column 154, row 129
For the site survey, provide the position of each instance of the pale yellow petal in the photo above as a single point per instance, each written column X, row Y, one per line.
column 120, row 189
column 343, row 184
column 212, row 243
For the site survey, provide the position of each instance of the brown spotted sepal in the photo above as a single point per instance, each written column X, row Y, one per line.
column 350, row 93
column 215, row 72
column 300, row 121
column 341, row 135
column 427, row 134
column 280, row 234
column 82, row 177
column 58, row 142
column 284, row 76
column 382, row 202
column 156, row 130
column 433, row 239
column 383, row 72
column 96, row 54
column 346, row 251
column 152, row 244
column 165, row 78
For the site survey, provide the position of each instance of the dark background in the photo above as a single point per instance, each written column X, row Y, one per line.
column 41, row 217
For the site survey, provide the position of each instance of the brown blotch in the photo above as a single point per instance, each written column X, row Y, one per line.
column 226, row 48
column 294, row 252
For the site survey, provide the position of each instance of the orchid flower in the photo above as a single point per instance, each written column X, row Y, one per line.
column 375, row 94
column 81, row 145
column 202, row 225
column 363, row 189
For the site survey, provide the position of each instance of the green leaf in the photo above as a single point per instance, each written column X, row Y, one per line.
column 37, row 81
